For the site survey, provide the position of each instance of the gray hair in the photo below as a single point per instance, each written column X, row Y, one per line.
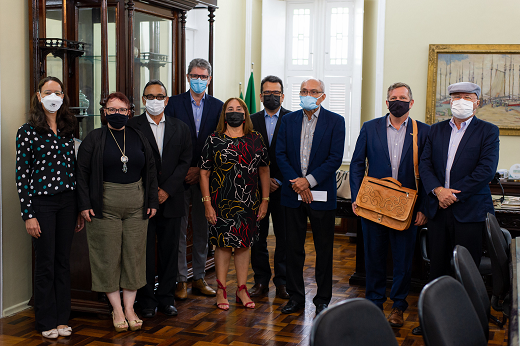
column 200, row 63
column 399, row 85
column 322, row 85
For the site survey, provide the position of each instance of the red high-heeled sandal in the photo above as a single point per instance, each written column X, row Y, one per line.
column 250, row 305
column 222, row 306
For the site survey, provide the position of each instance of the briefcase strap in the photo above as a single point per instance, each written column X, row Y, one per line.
column 415, row 154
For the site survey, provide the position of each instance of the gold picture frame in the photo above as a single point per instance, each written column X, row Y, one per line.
column 494, row 67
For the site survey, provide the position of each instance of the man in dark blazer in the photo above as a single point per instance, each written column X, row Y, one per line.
column 171, row 145
column 309, row 150
column 267, row 122
column 459, row 160
column 387, row 144
column 201, row 113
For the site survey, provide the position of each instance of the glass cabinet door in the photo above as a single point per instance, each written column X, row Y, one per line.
column 89, row 77
column 152, row 54
column 53, row 28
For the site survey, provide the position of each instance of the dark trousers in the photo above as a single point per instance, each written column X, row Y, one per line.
column 165, row 233
column 402, row 243
column 259, row 252
column 444, row 232
column 322, row 224
column 56, row 215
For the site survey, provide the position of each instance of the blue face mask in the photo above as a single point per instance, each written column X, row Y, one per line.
column 308, row 102
column 198, row 86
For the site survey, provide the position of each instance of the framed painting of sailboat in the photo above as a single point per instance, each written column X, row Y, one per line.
column 495, row 67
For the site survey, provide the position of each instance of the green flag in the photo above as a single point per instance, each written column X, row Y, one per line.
column 241, row 95
column 250, row 99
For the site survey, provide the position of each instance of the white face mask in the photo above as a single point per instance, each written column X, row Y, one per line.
column 461, row 109
column 52, row 103
column 155, row 107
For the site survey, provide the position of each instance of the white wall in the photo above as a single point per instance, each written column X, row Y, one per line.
column 16, row 243
column 230, row 48
column 273, row 38
column 411, row 25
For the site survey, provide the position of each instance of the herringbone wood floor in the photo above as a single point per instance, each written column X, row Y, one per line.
column 201, row 323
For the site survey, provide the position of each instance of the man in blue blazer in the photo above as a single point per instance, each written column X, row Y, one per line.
column 460, row 158
column 309, row 150
column 387, row 144
column 201, row 113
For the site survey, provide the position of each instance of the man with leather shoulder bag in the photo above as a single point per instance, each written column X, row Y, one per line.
column 386, row 145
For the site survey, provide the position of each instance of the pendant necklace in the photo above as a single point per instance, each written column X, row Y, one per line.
column 124, row 158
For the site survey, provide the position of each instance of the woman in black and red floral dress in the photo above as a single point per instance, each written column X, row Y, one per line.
column 233, row 160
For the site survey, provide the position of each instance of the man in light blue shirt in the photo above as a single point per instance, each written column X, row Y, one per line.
column 267, row 122
column 201, row 112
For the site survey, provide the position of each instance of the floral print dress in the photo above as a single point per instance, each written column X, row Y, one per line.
column 234, row 179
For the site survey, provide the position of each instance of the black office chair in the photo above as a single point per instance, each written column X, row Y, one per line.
column 485, row 262
column 466, row 272
column 447, row 315
column 498, row 243
column 355, row 321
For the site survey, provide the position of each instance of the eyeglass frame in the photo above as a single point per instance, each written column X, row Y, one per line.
column 155, row 97
column 199, row 76
column 113, row 110
column 272, row 92
column 313, row 93
column 467, row 98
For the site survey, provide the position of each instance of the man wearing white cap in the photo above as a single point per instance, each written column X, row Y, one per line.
column 459, row 160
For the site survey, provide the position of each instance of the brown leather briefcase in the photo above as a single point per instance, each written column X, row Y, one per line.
column 385, row 201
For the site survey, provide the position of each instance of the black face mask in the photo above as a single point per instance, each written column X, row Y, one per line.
column 116, row 120
column 235, row 119
column 271, row 102
column 398, row 108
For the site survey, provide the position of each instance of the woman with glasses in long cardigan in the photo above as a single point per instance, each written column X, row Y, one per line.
column 117, row 187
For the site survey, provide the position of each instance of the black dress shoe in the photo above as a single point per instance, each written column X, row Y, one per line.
column 417, row 331
column 168, row 310
column 258, row 290
column 281, row 292
column 292, row 307
column 320, row 308
column 148, row 313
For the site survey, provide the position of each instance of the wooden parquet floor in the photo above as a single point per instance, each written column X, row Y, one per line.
column 201, row 323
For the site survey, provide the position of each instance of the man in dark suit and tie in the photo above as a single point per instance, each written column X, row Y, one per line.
column 201, row 113
column 460, row 158
column 267, row 122
column 309, row 150
column 171, row 144
column 387, row 144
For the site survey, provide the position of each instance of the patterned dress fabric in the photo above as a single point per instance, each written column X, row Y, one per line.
column 234, row 179
column 44, row 165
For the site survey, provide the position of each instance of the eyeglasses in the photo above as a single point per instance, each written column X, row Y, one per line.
column 116, row 110
column 48, row 92
column 156, row 97
column 467, row 98
column 313, row 93
column 271, row 92
column 199, row 76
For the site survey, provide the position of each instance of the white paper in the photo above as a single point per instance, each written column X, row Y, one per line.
column 317, row 196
